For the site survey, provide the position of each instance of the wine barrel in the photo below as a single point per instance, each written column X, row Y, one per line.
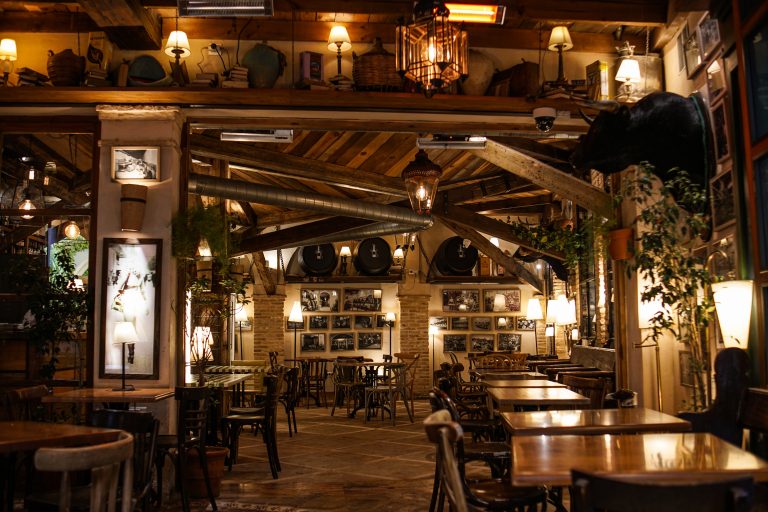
column 372, row 257
column 317, row 260
column 453, row 259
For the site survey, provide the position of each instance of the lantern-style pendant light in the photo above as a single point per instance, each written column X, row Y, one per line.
column 421, row 177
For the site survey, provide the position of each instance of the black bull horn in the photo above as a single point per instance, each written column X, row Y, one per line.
column 586, row 118
column 603, row 105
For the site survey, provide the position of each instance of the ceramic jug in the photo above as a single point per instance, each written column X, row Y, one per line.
column 265, row 64
column 65, row 68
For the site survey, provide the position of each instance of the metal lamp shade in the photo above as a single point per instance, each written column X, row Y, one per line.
column 421, row 177
column 733, row 301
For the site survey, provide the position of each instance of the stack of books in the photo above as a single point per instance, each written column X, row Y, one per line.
column 97, row 78
column 28, row 76
column 238, row 78
column 342, row 83
column 205, row 80
column 314, row 85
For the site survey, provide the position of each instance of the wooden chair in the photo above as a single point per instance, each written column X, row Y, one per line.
column 314, row 380
column 25, row 404
column 273, row 359
column 410, row 360
column 290, row 397
column 387, row 393
column 594, row 389
column 254, row 386
column 106, row 462
column 348, row 384
column 592, row 493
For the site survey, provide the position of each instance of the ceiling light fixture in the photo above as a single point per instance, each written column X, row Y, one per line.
column 72, row 230
column 431, row 51
column 421, row 177
column 452, row 142
column 258, row 136
column 28, row 205
column 476, row 13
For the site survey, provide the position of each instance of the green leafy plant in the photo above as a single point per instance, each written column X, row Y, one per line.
column 190, row 227
column 572, row 243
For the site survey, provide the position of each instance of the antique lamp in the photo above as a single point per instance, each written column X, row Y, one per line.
column 389, row 318
column 124, row 334
column 338, row 41
column 27, row 204
column 421, row 177
column 296, row 318
column 432, row 331
column 240, row 317
column 7, row 55
column 733, row 302
column 629, row 71
column 534, row 313
column 344, row 253
column 560, row 41
column 72, row 230
column 177, row 47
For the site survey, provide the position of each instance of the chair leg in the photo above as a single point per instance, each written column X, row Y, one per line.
column 181, row 463
column 293, row 414
column 204, row 465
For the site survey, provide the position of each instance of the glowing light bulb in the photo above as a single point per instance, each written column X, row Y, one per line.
column 26, row 204
column 432, row 53
column 421, row 193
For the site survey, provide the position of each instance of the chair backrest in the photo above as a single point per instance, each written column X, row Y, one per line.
column 291, row 394
column 454, row 357
column 346, row 373
column 143, row 426
column 25, row 404
column 754, row 416
column 272, row 358
column 518, row 358
column 271, row 387
column 590, row 493
column 445, row 433
column 410, row 369
column 104, row 461
column 594, row 389
column 317, row 369
column 192, row 420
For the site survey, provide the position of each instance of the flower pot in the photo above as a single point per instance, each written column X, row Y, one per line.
column 621, row 244
column 193, row 473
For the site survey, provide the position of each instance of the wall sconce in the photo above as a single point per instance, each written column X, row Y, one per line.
column 133, row 200
column 338, row 40
column 560, row 41
column 501, row 322
column 421, row 177
column 7, row 55
column 733, row 302
column 125, row 334
column 344, row 253
column 389, row 319
column 297, row 319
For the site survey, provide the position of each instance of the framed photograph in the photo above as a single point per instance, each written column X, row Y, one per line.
column 313, row 342
column 504, row 323
column 290, row 325
column 381, row 321
column 342, row 322
column 482, row 323
column 510, row 341
column 709, row 36
column 364, row 322
column 362, row 299
column 482, row 342
column 318, row 321
column 720, row 130
column 459, row 323
column 369, row 341
column 511, row 300
column 345, row 341
column 722, row 200
column 716, row 80
column 320, row 300
column 524, row 324
column 130, row 298
column 725, row 266
column 682, row 37
column 136, row 163
column 441, row 322
column 461, row 301
column 692, row 54
column 454, row 343
column 686, row 368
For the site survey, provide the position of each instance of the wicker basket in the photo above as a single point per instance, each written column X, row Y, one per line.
column 375, row 70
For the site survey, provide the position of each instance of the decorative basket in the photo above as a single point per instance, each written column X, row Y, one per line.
column 65, row 68
column 375, row 70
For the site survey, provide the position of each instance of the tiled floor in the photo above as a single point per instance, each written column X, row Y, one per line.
column 336, row 464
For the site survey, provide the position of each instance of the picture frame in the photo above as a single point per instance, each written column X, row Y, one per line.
column 341, row 322
column 364, row 322
column 709, row 36
column 369, row 341
column 298, row 325
column 725, row 267
column 362, row 299
column 381, row 321
column 482, row 342
column 720, row 131
column 685, row 359
column 461, row 301
column 459, row 323
column 135, row 163
column 693, row 57
column 320, row 299
column 512, row 300
column 482, row 323
column 454, row 343
column 313, row 342
column 342, row 342
column 682, row 37
column 716, row 84
column 318, row 322
column 130, row 292
column 510, row 341
column 245, row 325
column 525, row 324
column 441, row 322
column 505, row 323
column 723, row 200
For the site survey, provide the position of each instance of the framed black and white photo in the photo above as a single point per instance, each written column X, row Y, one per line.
column 342, row 322
column 320, row 300
column 461, row 301
column 525, row 324
column 482, row 323
column 313, row 342
column 720, row 131
column 345, row 341
column 510, row 341
column 482, row 342
column 441, row 322
column 369, row 341
column 511, row 300
column 318, row 321
column 130, row 308
column 364, row 322
column 692, row 54
column 459, row 323
column 362, row 299
column 686, row 368
column 716, row 80
column 722, row 200
column 136, row 163
column 709, row 36
column 299, row 326
column 454, row 343
column 682, row 37
column 505, row 323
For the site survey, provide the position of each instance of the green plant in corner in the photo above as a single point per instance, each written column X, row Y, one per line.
column 197, row 225
column 669, row 222
column 572, row 243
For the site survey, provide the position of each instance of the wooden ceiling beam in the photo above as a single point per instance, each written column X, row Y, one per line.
column 511, row 203
column 486, row 188
column 624, row 12
column 544, row 152
column 296, row 235
column 128, row 24
column 47, row 22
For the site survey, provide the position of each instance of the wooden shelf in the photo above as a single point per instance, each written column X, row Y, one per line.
column 474, row 280
column 343, row 279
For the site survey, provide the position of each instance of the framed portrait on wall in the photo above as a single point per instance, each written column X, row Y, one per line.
column 482, row 342
column 723, row 200
column 454, row 342
column 342, row 322
column 461, row 301
column 345, row 341
column 720, row 131
column 362, row 299
column 441, row 322
column 709, row 36
column 130, row 308
column 314, row 342
column 510, row 341
column 136, row 163
column 318, row 321
column 369, row 341
column 320, row 300
column 511, row 300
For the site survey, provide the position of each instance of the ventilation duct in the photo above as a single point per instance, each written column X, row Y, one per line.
column 226, row 8
column 372, row 230
column 283, row 136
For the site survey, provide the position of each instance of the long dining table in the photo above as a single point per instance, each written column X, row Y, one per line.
column 523, row 383
column 507, row 399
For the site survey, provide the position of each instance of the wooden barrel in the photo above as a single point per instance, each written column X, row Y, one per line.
column 317, row 260
column 453, row 259
column 373, row 257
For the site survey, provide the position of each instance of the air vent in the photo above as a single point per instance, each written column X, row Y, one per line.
column 258, row 136
column 452, row 142
column 226, row 8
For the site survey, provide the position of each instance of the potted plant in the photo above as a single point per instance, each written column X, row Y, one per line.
column 201, row 232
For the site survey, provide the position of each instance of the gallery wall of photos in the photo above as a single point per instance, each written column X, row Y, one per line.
column 340, row 319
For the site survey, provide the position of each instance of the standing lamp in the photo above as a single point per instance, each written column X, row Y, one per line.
column 339, row 40
column 344, row 253
column 390, row 320
column 178, row 48
column 296, row 318
column 240, row 317
column 535, row 313
column 646, row 311
column 421, row 177
column 7, row 55
column 432, row 331
column 733, row 302
column 125, row 334
column 553, row 311
column 560, row 41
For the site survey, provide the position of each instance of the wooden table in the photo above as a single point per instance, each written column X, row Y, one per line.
column 224, row 368
column 108, row 395
column 592, row 421
column 548, row 460
column 499, row 374
column 522, row 383
column 20, row 436
column 507, row 399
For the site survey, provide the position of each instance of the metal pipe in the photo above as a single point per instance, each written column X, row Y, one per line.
column 244, row 191
column 377, row 229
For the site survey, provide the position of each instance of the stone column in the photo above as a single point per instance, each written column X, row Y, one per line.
column 414, row 337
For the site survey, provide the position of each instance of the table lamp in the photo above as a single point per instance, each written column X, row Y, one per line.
column 339, row 40
column 178, row 48
column 7, row 55
column 389, row 318
column 125, row 334
column 296, row 318
column 560, row 41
